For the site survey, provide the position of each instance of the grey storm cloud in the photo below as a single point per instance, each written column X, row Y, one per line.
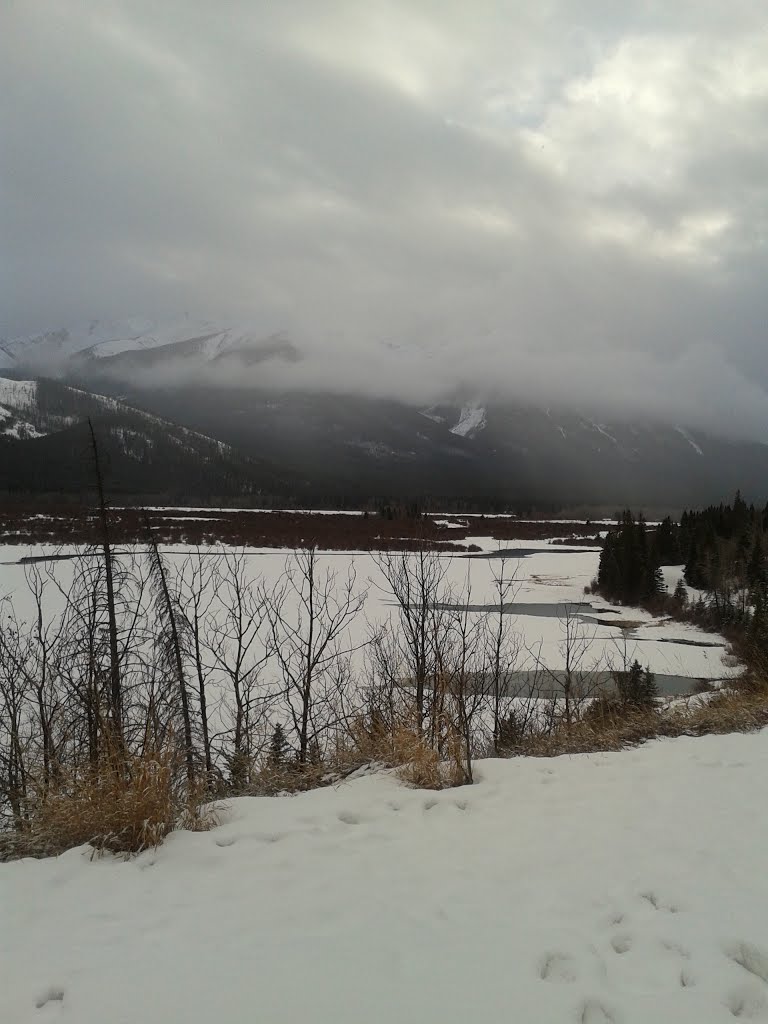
column 565, row 200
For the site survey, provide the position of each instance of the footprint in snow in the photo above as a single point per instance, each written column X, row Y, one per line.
column 687, row 978
column 621, row 944
column 51, row 995
column 558, row 967
column 675, row 947
column 658, row 903
column 747, row 1002
column 750, row 957
column 594, row 1012
column 349, row 818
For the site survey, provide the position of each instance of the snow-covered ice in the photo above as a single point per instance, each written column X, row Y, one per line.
column 549, row 577
column 623, row 888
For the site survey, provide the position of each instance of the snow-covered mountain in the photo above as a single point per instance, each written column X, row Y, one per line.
column 45, row 446
column 19, row 413
column 101, row 346
column 357, row 447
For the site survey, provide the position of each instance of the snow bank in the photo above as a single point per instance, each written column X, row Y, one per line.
column 599, row 888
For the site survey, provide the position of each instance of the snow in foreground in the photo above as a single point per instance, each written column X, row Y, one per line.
column 621, row 888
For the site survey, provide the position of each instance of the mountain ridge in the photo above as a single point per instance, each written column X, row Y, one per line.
column 333, row 443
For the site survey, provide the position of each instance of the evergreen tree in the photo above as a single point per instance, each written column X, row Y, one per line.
column 637, row 687
column 756, row 568
column 629, row 569
column 681, row 594
column 758, row 627
column 691, row 571
column 279, row 748
column 667, row 543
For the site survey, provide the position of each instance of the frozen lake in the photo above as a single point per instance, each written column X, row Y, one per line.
column 549, row 580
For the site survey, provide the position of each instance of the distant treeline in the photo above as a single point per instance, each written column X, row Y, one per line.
column 722, row 549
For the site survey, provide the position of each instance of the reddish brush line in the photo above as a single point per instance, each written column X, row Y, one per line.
column 80, row 525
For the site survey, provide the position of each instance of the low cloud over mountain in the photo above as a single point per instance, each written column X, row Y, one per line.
column 519, row 199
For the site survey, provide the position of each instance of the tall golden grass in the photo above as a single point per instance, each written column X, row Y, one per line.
column 122, row 805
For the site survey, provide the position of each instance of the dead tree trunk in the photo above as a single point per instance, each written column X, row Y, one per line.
column 116, row 697
column 172, row 642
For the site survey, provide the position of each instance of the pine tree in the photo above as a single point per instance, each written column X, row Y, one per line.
column 637, row 687
column 608, row 571
column 666, row 543
column 756, row 568
column 279, row 748
column 681, row 594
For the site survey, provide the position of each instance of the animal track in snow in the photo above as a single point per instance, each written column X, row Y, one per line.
column 558, row 967
column 348, row 818
column 750, row 957
column 51, row 995
column 687, row 979
column 621, row 944
column 657, row 903
column 429, row 804
column 747, row 1002
column 675, row 947
column 594, row 1012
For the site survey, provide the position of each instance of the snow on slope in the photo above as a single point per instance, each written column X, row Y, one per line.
column 623, row 888
column 105, row 338
column 18, row 393
column 472, row 419
column 99, row 339
column 18, row 405
column 155, row 337
column 21, row 418
column 684, row 433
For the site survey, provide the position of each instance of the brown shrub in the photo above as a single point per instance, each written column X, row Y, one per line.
column 743, row 709
column 122, row 806
column 291, row 777
column 399, row 744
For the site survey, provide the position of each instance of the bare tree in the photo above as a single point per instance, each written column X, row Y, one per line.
column 240, row 651
column 14, row 688
column 417, row 583
column 195, row 585
column 459, row 683
column 502, row 644
column 309, row 613
column 579, row 678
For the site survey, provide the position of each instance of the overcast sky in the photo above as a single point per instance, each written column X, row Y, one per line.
column 567, row 197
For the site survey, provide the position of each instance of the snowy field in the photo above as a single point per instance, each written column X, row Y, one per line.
column 624, row 888
column 548, row 578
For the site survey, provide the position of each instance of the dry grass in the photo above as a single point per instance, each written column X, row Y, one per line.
column 742, row 708
column 274, row 780
column 123, row 806
column 400, row 745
